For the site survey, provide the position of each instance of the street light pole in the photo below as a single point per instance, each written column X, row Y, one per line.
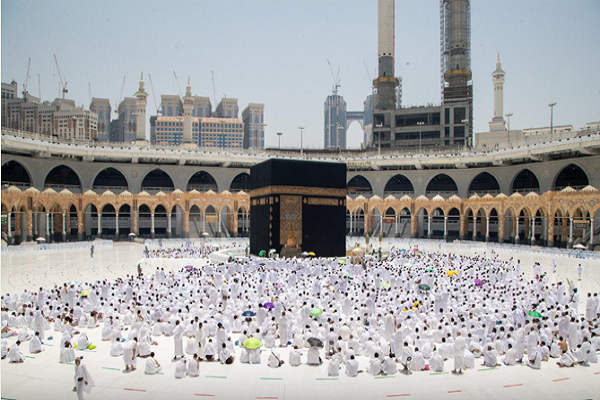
column 420, row 124
column 508, row 117
column 551, row 105
column 301, row 140
column 279, row 134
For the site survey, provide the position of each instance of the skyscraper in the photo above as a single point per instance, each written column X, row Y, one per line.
column 335, row 122
column 254, row 126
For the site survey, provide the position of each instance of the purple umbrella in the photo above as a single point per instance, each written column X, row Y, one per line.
column 269, row 306
column 478, row 282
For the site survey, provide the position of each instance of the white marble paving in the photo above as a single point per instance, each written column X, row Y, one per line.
column 42, row 377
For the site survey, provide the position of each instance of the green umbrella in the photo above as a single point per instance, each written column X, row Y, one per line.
column 252, row 343
column 85, row 293
column 408, row 264
column 385, row 284
column 262, row 253
column 535, row 314
column 428, row 270
column 424, row 286
column 346, row 274
column 316, row 312
column 342, row 262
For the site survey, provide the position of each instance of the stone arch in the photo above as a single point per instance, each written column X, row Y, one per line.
column 399, row 185
column 453, row 223
column 110, row 179
column 422, row 215
column 571, row 175
column 441, row 184
column 524, row 182
column 484, row 183
column 63, row 177
column 156, row 181
column 240, row 182
column 202, row 181
column 437, row 223
column 226, row 221
column 359, row 185
column 15, row 173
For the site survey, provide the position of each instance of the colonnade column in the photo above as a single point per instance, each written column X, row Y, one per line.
column 169, row 234
column 429, row 233
column 152, row 224
column 64, row 227
column 464, row 223
column 474, row 228
column 9, row 230
column 80, row 226
column 117, row 226
column 550, row 231
column 516, row 230
column 570, row 242
column 591, row 246
column 396, row 226
column 533, row 230
column 414, row 226
column 487, row 228
column 445, row 228
column 351, row 223
column 185, row 222
column 47, row 226
column 501, row 228
column 99, row 234
column 29, row 226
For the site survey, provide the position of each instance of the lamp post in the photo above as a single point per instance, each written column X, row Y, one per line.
column 551, row 105
column 279, row 134
column 420, row 124
column 301, row 140
column 508, row 117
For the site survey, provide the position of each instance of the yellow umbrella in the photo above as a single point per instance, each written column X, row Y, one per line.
column 310, row 253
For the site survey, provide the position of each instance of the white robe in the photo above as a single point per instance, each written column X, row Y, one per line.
column 352, row 368
column 295, row 358
column 181, row 369
column 35, row 345
column 193, row 369
column 436, row 363
column 151, row 367
column 83, row 380
column 510, row 358
column 389, row 366
column 274, row 359
column 313, row 356
column 14, row 354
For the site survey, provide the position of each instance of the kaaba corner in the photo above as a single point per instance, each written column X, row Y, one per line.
column 298, row 206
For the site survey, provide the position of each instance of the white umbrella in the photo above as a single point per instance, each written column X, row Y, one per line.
column 40, row 239
column 205, row 234
column 580, row 246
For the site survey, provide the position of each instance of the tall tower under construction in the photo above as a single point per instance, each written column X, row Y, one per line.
column 386, row 83
column 455, row 58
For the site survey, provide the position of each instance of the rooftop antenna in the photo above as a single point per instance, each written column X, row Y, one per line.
column 90, row 91
column 40, row 88
column 153, row 95
column 177, row 80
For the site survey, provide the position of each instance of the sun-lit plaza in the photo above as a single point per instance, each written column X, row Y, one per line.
column 41, row 376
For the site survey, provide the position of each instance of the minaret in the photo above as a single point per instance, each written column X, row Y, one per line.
column 140, row 114
column 497, row 124
column 386, row 83
column 188, row 105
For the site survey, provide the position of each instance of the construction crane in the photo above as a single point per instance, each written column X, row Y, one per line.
column 120, row 96
column 153, row 95
column 336, row 80
column 26, row 80
column 40, row 87
column 177, row 80
column 63, row 85
column 90, row 91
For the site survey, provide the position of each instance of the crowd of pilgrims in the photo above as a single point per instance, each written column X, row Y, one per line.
column 321, row 311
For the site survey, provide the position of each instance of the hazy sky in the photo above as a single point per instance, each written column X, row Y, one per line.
column 276, row 52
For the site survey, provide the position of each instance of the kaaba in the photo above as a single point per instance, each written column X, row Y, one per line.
column 298, row 205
